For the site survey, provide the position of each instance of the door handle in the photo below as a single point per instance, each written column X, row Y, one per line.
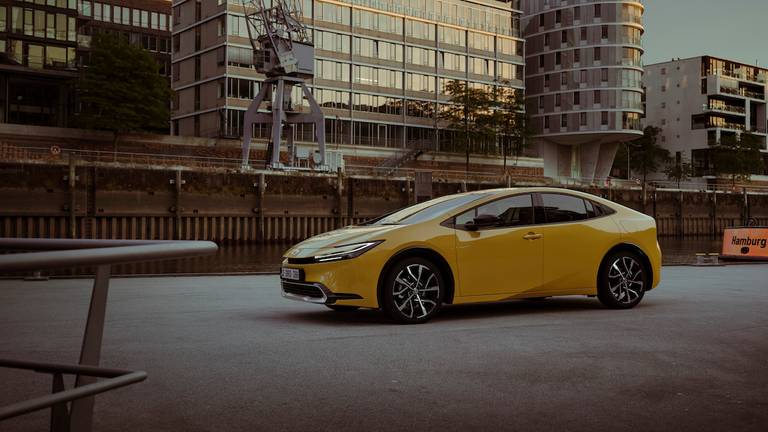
column 533, row 236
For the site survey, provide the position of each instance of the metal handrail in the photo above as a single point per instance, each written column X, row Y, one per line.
column 116, row 378
column 59, row 253
column 82, row 254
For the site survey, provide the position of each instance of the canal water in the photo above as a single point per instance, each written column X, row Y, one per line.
column 254, row 258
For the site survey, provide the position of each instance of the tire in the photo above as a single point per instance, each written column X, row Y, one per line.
column 402, row 299
column 342, row 308
column 622, row 280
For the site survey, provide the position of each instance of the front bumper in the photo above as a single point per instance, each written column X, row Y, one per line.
column 312, row 292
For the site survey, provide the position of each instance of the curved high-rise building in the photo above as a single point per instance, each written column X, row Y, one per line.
column 583, row 81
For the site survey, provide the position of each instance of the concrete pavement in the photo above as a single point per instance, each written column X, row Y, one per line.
column 229, row 354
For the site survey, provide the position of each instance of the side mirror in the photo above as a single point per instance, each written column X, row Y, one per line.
column 482, row 221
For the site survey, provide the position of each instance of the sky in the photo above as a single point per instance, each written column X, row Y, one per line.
column 731, row 29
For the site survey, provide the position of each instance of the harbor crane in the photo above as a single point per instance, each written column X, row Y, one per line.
column 284, row 53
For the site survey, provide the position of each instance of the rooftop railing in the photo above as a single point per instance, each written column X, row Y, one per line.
column 72, row 409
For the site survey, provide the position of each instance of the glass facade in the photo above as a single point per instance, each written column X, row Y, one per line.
column 380, row 66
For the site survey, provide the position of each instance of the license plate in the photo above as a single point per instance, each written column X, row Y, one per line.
column 290, row 273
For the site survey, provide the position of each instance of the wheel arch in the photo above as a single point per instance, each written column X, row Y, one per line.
column 420, row 252
column 625, row 247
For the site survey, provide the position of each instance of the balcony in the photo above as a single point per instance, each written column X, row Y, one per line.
column 742, row 92
column 730, row 109
column 718, row 124
column 742, row 74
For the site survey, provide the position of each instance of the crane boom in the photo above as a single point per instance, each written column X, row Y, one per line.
column 283, row 51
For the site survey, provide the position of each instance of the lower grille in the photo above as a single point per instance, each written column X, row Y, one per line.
column 304, row 290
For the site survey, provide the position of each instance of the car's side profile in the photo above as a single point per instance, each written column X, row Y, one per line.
column 479, row 247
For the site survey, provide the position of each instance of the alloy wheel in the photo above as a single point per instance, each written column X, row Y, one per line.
column 625, row 279
column 416, row 291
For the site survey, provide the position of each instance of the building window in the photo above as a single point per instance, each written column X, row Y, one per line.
column 598, row 11
column 584, row 33
column 546, row 122
column 597, row 54
column 564, row 37
column 604, row 75
column 558, row 16
column 604, row 32
column 597, row 96
column 577, row 13
column 564, row 121
column 576, row 56
column 583, row 119
column 604, row 118
column 577, row 98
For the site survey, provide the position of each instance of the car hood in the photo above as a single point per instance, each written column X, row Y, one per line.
column 343, row 236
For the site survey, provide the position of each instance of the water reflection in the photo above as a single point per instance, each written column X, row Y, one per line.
column 255, row 258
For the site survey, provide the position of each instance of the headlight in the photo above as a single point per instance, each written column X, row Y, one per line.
column 347, row 251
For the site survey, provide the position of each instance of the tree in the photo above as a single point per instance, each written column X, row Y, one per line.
column 512, row 123
column 738, row 157
column 680, row 170
column 121, row 90
column 646, row 155
column 469, row 111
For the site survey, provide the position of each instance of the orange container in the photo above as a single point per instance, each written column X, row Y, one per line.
column 746, row 243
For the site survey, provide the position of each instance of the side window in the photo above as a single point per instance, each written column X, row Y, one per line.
column 564, row 208
column 512, row 211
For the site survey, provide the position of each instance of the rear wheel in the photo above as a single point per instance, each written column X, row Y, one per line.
column 623, row 279
column 413, row 291
column 341, row 308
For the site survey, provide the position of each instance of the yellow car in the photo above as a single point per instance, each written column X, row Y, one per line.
column 479, row 246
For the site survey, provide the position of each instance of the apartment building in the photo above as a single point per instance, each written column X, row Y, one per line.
column 43, row 43
column 698, row 101
column 583, row 82
column 380, row 66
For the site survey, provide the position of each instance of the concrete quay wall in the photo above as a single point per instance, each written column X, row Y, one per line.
column 39, row 200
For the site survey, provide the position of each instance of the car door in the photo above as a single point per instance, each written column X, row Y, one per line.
column 575, row 237
column 500, row 259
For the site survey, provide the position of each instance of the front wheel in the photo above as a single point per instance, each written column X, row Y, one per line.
column 622, row 281
column 413, row 291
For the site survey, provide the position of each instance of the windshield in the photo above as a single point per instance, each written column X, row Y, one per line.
column 426, row 210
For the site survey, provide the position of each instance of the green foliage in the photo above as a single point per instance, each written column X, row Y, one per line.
column 646, row 155
column 469, row 111
column 487, row 118
column 738, row 157
column 511, row 121
column 122, row 90
column 679, row 170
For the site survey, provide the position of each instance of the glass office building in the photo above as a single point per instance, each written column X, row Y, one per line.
column 380, row 66
column 38, row 44
column 43, row 43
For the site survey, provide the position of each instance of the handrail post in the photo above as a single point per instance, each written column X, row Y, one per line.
column 90, row 354
column 72, row 182
column 59, row 411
